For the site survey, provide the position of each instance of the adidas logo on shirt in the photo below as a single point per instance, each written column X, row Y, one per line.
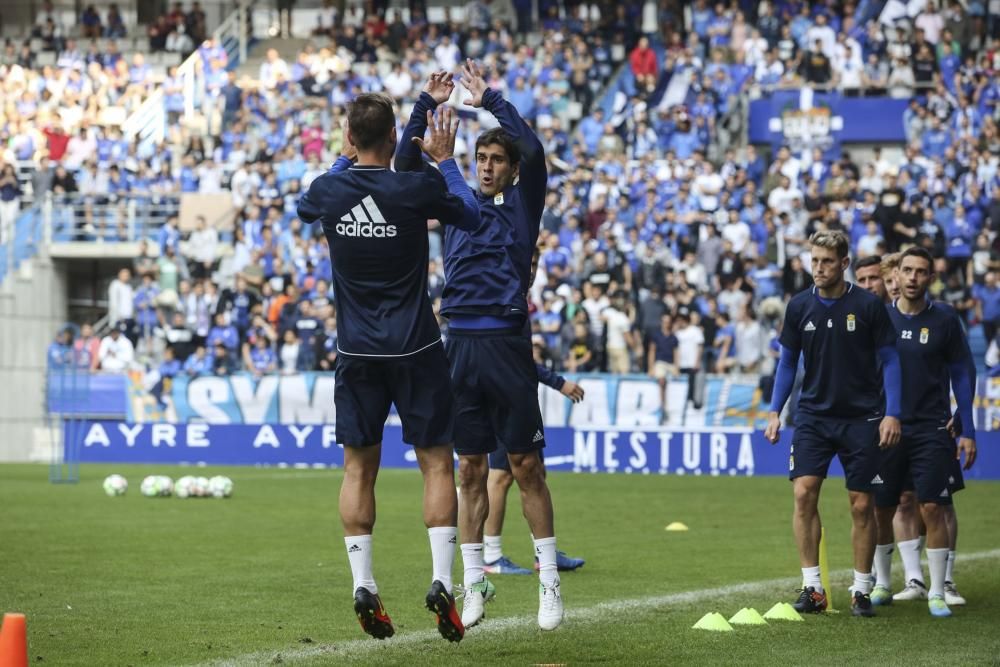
column 365, row 221
column 944, row 494
column 538, row 436
column 877, row 480
column 810, row 326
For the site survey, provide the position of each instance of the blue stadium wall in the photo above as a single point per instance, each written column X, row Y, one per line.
column 290, row 421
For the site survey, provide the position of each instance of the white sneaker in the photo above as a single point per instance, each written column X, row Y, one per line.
column 951, row 595
column 474, row 602
column 550, row 606
column 914, row 590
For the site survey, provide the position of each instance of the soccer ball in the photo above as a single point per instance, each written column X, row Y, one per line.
column 220, row 487
column 115, row 485
column 184, row 487
column 156, row 485
column 201, row 487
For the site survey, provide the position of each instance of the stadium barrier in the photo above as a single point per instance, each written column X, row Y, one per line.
column 289, row 420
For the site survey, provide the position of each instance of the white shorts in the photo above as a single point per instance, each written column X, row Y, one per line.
column 661, row 370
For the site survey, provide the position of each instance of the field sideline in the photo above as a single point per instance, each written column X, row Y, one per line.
column 262, row 578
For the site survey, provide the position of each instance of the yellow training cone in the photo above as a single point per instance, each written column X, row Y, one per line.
column 715, row 622
column 676, row 526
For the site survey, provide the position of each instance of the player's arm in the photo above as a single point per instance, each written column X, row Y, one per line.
column 450, row 200
column 884, row 336
column 567, row 388
column 959, row 360
column 784, row 375
column 532, row 176
column 436, row 91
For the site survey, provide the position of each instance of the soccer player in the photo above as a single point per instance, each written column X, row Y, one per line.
column 905, row 526
column 492, row 369
column 841, row 331
column 389, row 345
column 932, row 346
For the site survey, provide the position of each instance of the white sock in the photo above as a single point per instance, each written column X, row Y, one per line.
column 443, row 553
column 545, row 552
column 359, row 553
column 811, row 578
column 862, row 582
column 909, row 553
column 472, row 560
column 937, row 563
column 493, row 551
column 883, row 565
column 949, row 573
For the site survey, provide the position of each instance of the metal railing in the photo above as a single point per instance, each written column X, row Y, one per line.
column 129, row 219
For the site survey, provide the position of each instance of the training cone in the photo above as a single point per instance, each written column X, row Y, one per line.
column 714, row 621
column 14, row 641
column 676, row 526
column 783, row 612
column 747, row 617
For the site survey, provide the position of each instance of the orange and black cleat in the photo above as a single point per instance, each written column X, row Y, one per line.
column 810, row 601
column 371, row 614
column 442, row 603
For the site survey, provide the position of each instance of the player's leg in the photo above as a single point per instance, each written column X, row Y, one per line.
column 498, row 486
column 808, row 463
column 861, row 457
column 931, row 468
column 956, row 483
column 362, row 408
column 910, row 543
column 894, row 474
column 473, row 472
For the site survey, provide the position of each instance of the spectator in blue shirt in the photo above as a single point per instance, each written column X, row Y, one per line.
column 170, row 236
column 198, row 363
column 988, row 305
column 223, row 334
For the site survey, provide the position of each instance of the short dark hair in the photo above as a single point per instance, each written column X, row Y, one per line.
column 498, row 136
column 870, row 260
column 371, row 118
column 917, row 251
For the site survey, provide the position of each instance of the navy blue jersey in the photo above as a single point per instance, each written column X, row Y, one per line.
column 838, row 345
column 376, row 223
column 487, row 270
column 928, row 343
column 665, row 345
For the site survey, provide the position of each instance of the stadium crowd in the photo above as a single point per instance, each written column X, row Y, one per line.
column 651, row 239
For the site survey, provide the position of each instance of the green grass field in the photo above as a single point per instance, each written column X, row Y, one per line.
column 262, row 578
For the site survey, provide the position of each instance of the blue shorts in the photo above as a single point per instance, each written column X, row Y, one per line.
column 499, row 460
column 817, row 440
column 419, row 386
column 956, row 480
column 495, row 384
column 925, row 456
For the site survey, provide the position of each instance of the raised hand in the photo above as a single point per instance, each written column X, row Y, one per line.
column 440, row 86
column 474, row 82
column 440, row 144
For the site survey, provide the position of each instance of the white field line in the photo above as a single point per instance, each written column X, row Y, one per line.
column 359, row 648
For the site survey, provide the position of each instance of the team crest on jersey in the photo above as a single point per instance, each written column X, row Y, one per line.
column 791, row 463
column 498, row 200
column 851, row 322
column 925, row 333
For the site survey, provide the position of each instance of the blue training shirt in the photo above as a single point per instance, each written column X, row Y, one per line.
column 839, row 344
column 487, row 269
column 932, row 348
column 376, row 223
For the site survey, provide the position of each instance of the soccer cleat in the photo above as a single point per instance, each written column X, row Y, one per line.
column 951, row 595
column 810, row 601
column 550, row 606
column 371, row 614
column 504, row 565
column 441, row 602
column 914, row 590
column 861, row 605
column 938, row 607
column 474, row 602
column 881, row 596
column 564, row 563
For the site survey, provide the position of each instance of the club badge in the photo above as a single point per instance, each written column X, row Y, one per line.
column 925, row 333
column 852, row 322
column 498, row 200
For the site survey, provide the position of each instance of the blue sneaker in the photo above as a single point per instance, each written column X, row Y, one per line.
column 504, row 565
column 938, row 607
column 565, row 563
